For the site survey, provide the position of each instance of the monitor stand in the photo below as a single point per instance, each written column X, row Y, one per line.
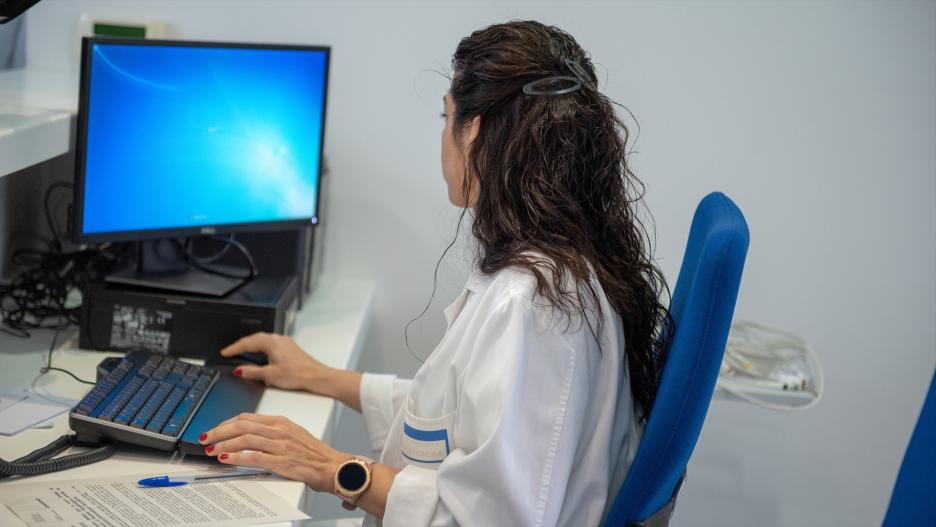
column 160, row 264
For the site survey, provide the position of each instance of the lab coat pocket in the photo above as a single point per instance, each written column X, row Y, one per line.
column 426, row 442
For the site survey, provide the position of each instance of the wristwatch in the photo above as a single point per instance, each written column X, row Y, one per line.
column 352, row 479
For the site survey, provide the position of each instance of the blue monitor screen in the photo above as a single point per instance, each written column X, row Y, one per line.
column 185, row 136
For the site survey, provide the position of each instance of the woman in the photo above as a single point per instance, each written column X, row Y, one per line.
column 530, row 408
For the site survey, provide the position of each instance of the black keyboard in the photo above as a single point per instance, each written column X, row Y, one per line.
column 144, row 398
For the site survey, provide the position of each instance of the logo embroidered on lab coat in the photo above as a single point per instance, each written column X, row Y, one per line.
column 425, row 446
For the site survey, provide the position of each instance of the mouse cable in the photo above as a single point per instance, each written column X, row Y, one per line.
column 48, row 367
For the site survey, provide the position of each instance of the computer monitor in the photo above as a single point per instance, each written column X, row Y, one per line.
column 179, row 138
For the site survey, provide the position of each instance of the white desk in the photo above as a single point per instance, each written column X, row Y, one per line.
column 332, row 327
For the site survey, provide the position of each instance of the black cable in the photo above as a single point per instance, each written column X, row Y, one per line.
column 37, row 297
column 48, row 367
column 252, row 273
column 46, row 452
column 42, row 460
column 189, row 248
column 38, row 293
column 48, row 210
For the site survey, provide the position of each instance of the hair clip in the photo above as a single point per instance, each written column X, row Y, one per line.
column 532, row 88
column 580, row 78
column 578, row 71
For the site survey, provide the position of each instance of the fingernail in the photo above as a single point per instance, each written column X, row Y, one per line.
column 222, row 457
column 203, row 437
column 238, row 372
column 209, row 448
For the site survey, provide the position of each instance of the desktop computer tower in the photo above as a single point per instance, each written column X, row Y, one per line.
column 167, row 322
column 123, row 319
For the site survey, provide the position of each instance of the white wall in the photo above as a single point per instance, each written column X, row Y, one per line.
column 12, row 38
column 819, row 119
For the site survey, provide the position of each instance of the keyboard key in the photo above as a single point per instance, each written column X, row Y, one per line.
column 84, row 408
column 121, row 399
column 181, row 413
column 127, row 413
column 97, row 394
column 165, row 411
column 152, row 404
column 109, row 382
column 202, row 382
column 173, row 378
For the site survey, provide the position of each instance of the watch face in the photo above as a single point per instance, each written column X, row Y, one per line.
column 352, row 477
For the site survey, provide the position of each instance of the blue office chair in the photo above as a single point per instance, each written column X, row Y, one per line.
column 914, row 499
column 702, row 307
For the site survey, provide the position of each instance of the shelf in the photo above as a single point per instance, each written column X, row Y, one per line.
column 36, row 110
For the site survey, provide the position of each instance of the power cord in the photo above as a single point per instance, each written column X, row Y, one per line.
column 45, row 294
column 189, row 249
column 47, row 208
column 200, row 263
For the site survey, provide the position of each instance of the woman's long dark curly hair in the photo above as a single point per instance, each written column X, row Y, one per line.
column 555, row 193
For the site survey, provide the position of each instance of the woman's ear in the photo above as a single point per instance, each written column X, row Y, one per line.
column 472, row 129
column 470, row 186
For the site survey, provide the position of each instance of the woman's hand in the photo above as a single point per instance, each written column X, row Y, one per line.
column 291, row 368
column 281, row 446
column 276, row 444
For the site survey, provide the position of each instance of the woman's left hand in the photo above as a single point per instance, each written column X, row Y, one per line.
column 276, row 444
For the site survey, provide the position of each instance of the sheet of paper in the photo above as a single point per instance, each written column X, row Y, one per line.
column 119, row 502
column 30, row 410
column 8, row 399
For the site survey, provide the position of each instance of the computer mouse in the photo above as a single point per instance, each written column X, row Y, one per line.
column 256, row 359
column 259, row 359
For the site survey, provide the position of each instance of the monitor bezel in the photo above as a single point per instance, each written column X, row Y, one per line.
column 78, row 234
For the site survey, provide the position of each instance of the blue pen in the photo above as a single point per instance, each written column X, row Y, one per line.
column 175, row 481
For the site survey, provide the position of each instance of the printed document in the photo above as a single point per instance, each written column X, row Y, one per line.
column 119, row 502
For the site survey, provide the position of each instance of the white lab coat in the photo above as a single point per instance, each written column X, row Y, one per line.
column 515, row 419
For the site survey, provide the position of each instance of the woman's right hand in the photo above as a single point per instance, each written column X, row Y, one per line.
column 291, row 368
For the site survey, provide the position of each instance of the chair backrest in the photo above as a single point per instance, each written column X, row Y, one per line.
column 913, row 501
column 702, row 306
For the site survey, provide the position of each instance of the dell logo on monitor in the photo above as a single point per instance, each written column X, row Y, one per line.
column 209, row 230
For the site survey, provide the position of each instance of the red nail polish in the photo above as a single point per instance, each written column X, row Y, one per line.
column 203, row 437
column 209, row 448
column 238, row 372
column 222, row 457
